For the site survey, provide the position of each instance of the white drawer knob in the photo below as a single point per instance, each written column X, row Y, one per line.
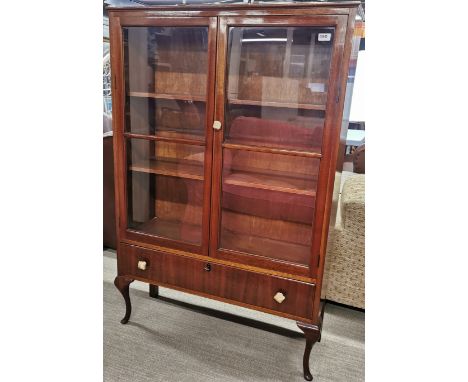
column 217, row 125
column 279, row 297
column 142, row 265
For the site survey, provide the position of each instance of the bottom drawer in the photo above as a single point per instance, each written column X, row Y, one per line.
column 286, row 297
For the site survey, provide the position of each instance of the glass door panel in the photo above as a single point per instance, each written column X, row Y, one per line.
column 277, row 86
column 166, row 145
column 165, row 189
column 166, row 81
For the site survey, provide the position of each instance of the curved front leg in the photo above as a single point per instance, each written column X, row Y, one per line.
column 123, row 285
column 312, row 335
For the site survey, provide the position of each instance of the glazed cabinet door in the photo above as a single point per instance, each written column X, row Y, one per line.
column 163, row 128
column 275, row 96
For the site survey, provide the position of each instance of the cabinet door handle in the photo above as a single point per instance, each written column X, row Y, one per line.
column 279, row 297
column 217, row 125
column 207, row 267
column 142, row 265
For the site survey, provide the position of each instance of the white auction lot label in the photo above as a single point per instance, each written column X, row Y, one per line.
column 324, row 36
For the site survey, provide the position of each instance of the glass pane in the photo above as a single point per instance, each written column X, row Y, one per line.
column 268, row 203
column 277, row 86
column 165, row 189
column 166, row 80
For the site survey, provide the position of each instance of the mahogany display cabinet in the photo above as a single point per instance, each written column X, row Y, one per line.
column 227, row 123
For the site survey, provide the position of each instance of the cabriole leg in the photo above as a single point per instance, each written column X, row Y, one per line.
column 123, row 285
column 312, row 335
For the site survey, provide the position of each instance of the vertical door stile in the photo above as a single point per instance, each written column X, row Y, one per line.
column 221, row 54
column 210, row 116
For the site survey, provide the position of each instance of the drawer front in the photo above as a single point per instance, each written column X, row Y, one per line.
column 260, row 290
column 221, row 281
column 180, row 271
column 185, row 272
column 128, row 257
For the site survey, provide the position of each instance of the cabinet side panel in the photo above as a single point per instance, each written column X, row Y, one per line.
column 117, row 117
column 329, row 145
column 341, row 155
column 336, row 161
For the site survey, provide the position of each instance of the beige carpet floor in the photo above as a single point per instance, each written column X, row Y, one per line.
column 171, row 341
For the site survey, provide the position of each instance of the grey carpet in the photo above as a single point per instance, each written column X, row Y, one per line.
column 167, row 342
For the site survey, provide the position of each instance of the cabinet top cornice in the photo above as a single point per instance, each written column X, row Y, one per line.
column 237, row 6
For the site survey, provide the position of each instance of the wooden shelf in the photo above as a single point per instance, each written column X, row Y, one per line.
column 169, row 135
column 266, row 247
column 169, row 167
column 177, row 97
column 277, row 104
column 170, row 229
column 181, row 134
column 274, row 181
column 197, row 133
column 267, row 147
column 194, row 142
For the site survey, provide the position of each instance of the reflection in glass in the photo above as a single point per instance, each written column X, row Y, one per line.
column 277, row 86
column 268, row 204
column 166, row 81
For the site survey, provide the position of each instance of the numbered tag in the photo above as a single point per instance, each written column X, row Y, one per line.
column 324, row 37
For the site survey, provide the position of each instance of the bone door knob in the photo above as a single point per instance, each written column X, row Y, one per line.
column 142, row 265
column 279, row 297
column 217, row 125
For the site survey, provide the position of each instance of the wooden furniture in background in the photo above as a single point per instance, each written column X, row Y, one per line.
column 359, row 160
column 108, row 215
column 227, row 123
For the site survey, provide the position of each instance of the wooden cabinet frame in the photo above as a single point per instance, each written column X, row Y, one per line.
column 228, row 266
